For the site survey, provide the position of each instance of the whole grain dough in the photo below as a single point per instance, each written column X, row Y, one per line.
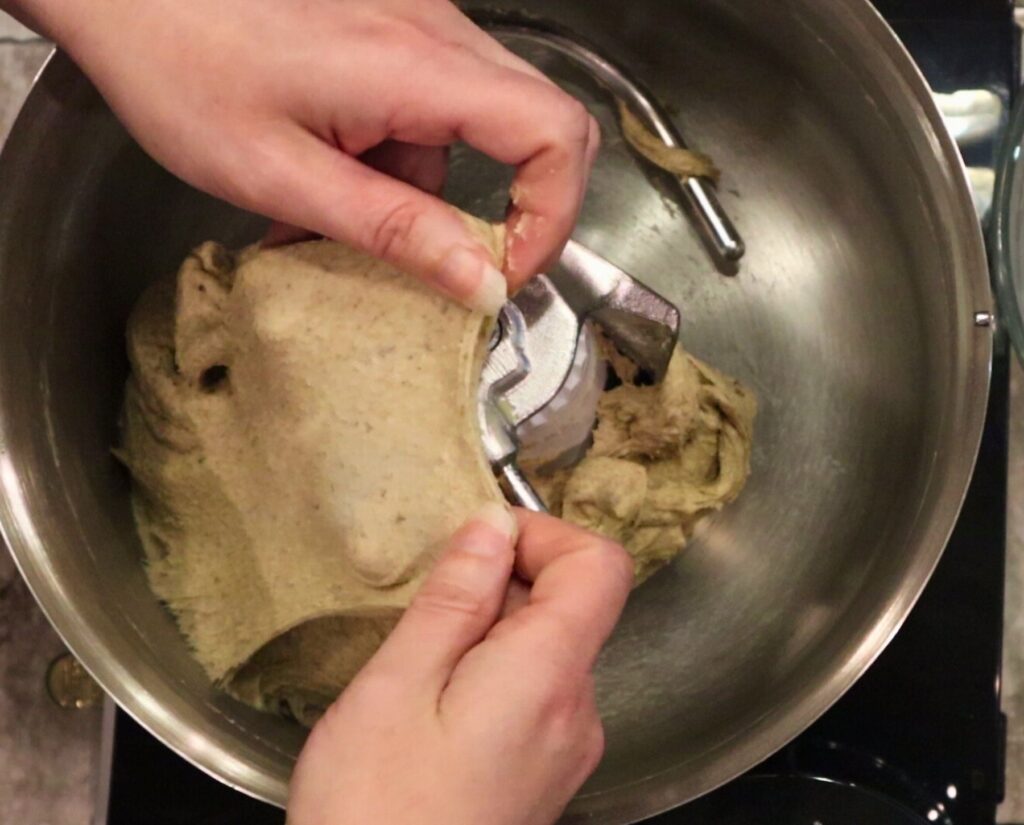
column 300, row 426
column 683, row 163
column 663, row 457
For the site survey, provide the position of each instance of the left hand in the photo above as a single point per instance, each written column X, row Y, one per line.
column 334, row 115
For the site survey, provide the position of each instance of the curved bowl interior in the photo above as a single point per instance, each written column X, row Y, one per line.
column 850, row 317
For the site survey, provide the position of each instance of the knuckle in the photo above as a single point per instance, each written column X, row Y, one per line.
column 610, row 559
column 393, row 232
column 446, row 596
column 560, row 704
column 252, row 189
column 257, row 181
column 574, row 121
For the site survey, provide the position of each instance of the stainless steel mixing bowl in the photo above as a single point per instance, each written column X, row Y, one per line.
column 852, row 317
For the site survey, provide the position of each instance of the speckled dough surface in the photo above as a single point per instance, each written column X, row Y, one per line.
column 300, row 428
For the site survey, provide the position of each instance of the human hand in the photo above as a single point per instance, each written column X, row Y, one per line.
column 278, row 107
column 479, row 707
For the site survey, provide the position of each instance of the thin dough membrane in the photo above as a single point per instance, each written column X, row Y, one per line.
column 300, row 428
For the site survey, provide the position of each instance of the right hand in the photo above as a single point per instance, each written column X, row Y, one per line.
column 479, row 708
column 334, row 116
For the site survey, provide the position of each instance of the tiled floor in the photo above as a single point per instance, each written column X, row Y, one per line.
column 48, row 756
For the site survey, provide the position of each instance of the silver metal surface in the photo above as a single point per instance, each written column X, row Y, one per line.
column 535, row 348
column 642, row 324
column 853, row 320
column 517, row 488
column 711, row 220
column 507, row 368
column 559, row 434
column 538, row 331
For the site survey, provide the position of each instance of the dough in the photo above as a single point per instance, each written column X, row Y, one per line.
column 300, row 426
column 663, row 457
column 683, row 163
column 302, row 671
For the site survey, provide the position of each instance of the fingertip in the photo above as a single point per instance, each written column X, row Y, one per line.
column 544, row 538
column 489, row 533
column 472, row 281
column 535, row 242
column 490, row 294
column 546, row 197
column 458, row 602
column 615, row 559
column 499, row 517
column 529, row 256
column 526, row 518
column 623, row 563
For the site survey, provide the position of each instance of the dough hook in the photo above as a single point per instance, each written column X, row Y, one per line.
column 536, row 344
column 713, row 225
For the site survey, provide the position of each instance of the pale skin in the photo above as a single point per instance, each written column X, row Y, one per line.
column 479, row 708
column 335, row 116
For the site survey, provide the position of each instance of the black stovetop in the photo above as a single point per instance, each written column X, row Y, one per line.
column 920, row 738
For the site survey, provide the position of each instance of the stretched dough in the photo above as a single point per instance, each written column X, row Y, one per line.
column 300, row 425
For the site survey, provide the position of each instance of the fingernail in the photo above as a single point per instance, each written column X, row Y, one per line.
column 491, row 293
column 496, row 540
column 475, row 284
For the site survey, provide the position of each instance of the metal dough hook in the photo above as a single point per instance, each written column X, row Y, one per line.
column 535, row 347
column 712, row 223
column 539, row 331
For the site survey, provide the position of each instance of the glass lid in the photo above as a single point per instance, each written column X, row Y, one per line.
column 1007, row 229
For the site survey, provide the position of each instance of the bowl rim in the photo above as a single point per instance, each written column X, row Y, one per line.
column 679, row 784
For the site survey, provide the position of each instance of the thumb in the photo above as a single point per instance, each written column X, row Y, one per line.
column 457, row 605
column 321, row 188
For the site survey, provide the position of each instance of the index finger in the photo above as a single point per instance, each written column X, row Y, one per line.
column 517, row 119
column 580, row 585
